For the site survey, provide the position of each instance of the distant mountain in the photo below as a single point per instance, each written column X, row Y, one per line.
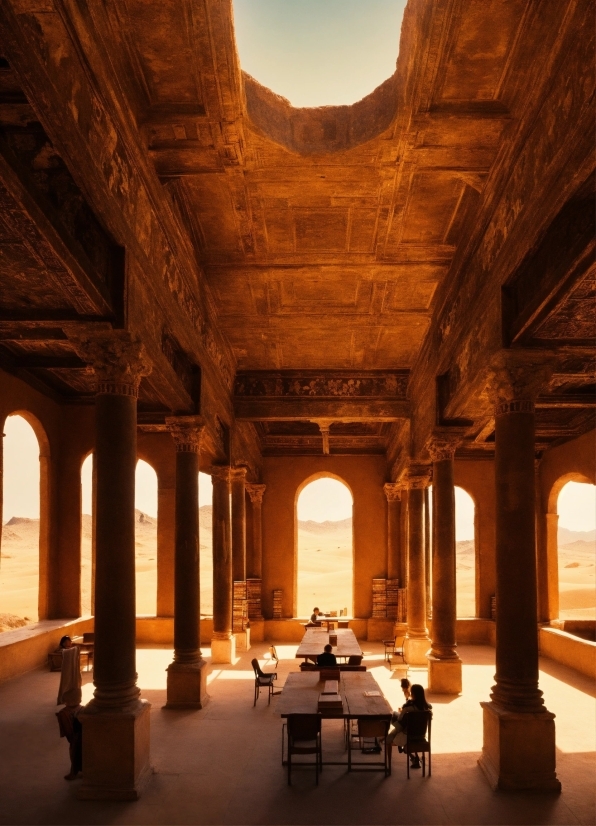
column 566, row 537
column 325, row 527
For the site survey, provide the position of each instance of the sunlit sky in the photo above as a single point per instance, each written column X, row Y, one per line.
column 319, row 52
column 324, row 499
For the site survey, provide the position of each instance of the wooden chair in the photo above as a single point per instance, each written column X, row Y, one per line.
column 394, row 647
column 418, row 726
column 304, row 737
column 370, row 727
column 263, row 680
column 354, row 660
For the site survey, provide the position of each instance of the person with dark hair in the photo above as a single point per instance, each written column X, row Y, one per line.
column 416, row 702
column 316, row 615
column 327, row 658
column 405, row 687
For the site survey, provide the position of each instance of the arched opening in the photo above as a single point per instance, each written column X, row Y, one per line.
column 22, row 561
column 465, row 554
column 206, row 544
column 325, row 556
column 576, row 541
column 87, row 536
column 146, row 539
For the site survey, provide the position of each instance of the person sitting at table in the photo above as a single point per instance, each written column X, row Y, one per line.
column 327, row 658
column 398, row 736
column 316, row 615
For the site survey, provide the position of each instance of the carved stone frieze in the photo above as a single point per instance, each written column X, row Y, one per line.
column 117, row 357
column 256, row 493
column 444, row 442
column 186, row 432
column 388, row 385
column 238, row 473
column 393, row 491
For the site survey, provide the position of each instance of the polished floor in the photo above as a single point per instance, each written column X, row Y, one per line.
column 221, row 765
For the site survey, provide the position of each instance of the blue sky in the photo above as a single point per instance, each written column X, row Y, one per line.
column 319, row 52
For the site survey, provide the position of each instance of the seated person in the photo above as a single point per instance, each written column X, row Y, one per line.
column 316, row 615
column 416, row 702
column 327, row 658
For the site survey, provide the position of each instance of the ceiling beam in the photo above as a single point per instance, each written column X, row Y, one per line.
column 307, row 409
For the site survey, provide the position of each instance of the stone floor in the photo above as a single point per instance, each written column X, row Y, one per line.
column 222, row 765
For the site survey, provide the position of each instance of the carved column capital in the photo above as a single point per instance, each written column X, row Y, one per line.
column 443, row 443
column 221, row 472
column 417, row 477
column 256, row 493
column 393, row 491
column 118, row 358
column 516, row 377
column 238, row 473
column 186, row 432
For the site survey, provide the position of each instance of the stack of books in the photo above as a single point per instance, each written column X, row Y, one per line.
column 239, row 607
column 277, row 594
column 330, row 703
column 392, row 591
column 379, row 595
column 402, row 605
column 253, row 597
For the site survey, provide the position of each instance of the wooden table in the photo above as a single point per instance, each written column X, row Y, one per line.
column 300, row 695
column 315, row 640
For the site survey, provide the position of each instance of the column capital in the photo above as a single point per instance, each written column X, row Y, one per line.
column 186, row 432
column 417, row 477
column 516, row 377
column 256, row 493
column 238, row 473
column 443, row 443
column 393, row 491
column 221, row 472
column 118, row 358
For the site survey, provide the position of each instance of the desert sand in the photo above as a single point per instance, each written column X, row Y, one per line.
column 324, row 569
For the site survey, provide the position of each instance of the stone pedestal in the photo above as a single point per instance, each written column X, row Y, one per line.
column 242, row 640
column 444, row 676
column 415, row 650
column 223, row 649
column 187, row 685
column 115, row 751
column 518, row 750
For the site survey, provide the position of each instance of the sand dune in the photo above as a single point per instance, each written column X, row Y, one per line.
column 324, row 569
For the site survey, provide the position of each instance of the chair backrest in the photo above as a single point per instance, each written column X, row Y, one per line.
column 399, row 641
column 256, row 668
column 89, row 636
column 416, row 724
column 303, row 726
column 354, row 660
column 329, row 673
column 343, row 624
column 372, row 726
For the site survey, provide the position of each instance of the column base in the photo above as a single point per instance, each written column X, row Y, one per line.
column 242, row 639
column 115, row 751
column 518, row 750
column 444, row 676
column 187, row 685
column 223, row 651
column 257, row 629
column 415, row 649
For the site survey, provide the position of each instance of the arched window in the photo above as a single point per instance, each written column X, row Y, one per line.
column 576, row 507
column 146, row 539
column 325, row 558
column 465, row 556
column 206, row 544
column 20, row 560
column 87, row 541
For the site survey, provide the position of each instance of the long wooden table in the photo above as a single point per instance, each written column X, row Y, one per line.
column 300, row 695
column 315, row 640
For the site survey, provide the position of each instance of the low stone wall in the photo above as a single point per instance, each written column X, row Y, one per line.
column 27, row 648
column 475, row 631
column 568, row 649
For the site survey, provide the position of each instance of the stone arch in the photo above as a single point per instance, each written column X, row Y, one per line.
column 460, row 576
column 88, row 537
column 314, row 477
column 146, row 563
column 552, row 536
column 45, row 506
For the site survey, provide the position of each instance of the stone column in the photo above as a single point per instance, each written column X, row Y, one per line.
column 417, row 640
column 427, row 555
column 187, row 674
column 238, row 479
column 444, row 665
column 115, row 722
column 255, row 561
column 394, row 562
column 223, row 646
column 519, row 733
